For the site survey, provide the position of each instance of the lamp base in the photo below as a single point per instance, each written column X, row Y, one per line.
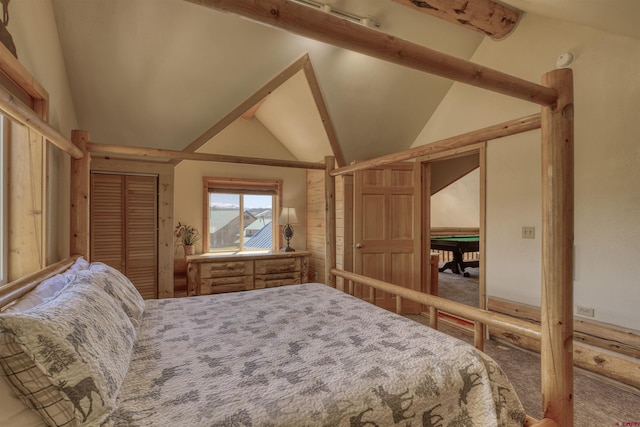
column 287, row 233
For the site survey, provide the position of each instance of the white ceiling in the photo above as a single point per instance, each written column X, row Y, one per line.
column 160, row 73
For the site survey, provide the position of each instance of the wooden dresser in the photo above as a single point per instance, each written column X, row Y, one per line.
column 215, row 273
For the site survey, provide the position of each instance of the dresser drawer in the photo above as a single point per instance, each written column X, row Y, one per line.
column 226, row 284
column 277, row 279
column 214, row 274
column 282, row 265
column 211, row 270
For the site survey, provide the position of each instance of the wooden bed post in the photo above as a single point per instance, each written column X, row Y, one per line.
column 557, row 250
column 330, row 220
column 80, row 181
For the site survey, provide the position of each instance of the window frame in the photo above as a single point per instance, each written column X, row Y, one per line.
column 4, row 201
column 18, row 81
column 241, row 186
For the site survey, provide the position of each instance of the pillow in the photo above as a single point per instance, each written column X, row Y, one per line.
column 115, row 284
column 68, row 357
column 47, row 289
column 41, row 293
column 79, row 265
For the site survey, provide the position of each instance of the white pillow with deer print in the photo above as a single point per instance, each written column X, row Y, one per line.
column 81, row 341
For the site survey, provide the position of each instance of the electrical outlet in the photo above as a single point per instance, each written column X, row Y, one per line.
column 528, row 232
column 585, row 311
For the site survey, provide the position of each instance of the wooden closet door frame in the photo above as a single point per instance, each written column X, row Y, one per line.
column 165, row 173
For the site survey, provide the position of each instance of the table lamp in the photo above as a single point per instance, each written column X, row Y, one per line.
column 287, row 217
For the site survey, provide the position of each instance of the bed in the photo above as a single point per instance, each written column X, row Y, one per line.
column 289, row 356
column 554, row 95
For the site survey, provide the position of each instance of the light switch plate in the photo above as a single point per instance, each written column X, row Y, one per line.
column 528, row 232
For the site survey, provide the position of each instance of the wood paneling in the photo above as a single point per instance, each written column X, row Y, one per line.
column 26, row 202
column 315, row 223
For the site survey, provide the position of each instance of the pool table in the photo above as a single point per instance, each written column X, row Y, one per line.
column 458, row 245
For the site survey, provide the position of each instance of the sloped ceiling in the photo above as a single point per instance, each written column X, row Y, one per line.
column 160, row 73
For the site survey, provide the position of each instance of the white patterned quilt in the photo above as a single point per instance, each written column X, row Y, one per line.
column 304, row 355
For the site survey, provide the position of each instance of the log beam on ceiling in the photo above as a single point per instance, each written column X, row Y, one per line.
column 484, row 16
column 309, row 22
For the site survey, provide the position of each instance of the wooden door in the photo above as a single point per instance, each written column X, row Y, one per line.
column 387, row 230
column 124, row 226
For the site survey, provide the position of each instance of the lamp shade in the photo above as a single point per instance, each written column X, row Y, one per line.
column 288, row 216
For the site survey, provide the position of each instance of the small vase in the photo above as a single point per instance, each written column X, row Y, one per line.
column 189, row 249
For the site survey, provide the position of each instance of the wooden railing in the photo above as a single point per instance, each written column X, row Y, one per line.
column 478, row 316
column 474, row 314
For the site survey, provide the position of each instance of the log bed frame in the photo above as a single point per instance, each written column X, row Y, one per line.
column 555, row 95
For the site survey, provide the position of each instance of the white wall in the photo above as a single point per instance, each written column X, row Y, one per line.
column 607, row 164
column 458, row 205
column 248, row 138
column 33, row 28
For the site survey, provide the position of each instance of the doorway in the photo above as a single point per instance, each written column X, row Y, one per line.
column 453, row 219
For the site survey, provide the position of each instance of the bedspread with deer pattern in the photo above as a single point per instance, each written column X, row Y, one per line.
column 304, row 355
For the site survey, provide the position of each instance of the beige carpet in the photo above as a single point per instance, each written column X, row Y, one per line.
column 597, row 402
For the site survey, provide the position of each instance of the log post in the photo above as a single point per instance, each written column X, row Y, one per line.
column 330, row 221
column 557, row 250
column 80, row 182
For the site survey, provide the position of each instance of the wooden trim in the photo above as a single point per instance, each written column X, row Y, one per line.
column 588, row 337
column 80, row 194
column 17, row 72
column 271, row 187
column 450, row 154
column 245, row 106
column 510, row 127
column 597, row 334
column 325, row 27
column 14, row 290
column 314, row 85
column 518, row 326
column 557, row 250
column 330, row 218
column 482, row 285
column 483, row 16
column 159, row 153
column 23, row 114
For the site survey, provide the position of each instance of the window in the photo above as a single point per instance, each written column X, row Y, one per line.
column 241, row 214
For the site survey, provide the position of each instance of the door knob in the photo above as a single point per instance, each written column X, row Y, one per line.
column 358, row 246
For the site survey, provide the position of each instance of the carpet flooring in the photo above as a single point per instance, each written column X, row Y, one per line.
column 598, row 402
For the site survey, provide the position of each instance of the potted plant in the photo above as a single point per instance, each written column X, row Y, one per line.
column 186, row 236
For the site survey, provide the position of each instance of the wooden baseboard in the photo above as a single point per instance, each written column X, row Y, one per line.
column 604, row 349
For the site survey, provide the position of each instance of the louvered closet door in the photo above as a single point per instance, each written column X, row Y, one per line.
column 107, row 220
column 141, row 234
column 124, row 216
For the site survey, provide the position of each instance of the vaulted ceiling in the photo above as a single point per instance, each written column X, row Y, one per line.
column 161, row 73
